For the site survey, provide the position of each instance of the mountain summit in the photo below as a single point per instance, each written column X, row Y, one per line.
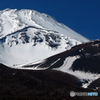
column 27, row 36
column 12, row 20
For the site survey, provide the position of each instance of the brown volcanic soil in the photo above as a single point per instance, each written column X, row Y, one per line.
column 16, row 84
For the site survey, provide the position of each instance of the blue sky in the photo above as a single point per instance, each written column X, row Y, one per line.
column 83, row 16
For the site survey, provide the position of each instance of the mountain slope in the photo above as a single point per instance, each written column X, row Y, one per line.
column 27, row 36
column 81, row 61
column 38, row 85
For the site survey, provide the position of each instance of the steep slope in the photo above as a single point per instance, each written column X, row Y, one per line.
column 81, row 61
column 32, row 44
column 89, row 50
column 28, row 36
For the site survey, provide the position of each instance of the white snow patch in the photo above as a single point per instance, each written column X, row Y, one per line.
column 54, row 62
column 79, row 74
column 68, row 63
column 87, row 84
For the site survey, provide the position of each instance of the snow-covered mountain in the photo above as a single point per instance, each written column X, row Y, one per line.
column 27, row 36
column 12, row 20
column 35, row 41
